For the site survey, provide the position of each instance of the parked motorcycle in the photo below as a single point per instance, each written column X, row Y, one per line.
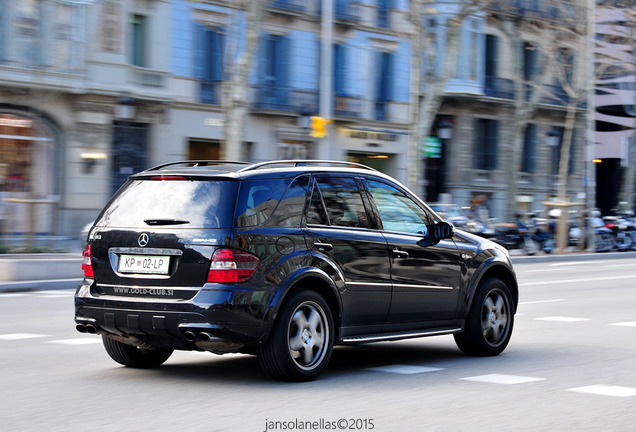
column 516, row 235
column 620, row 228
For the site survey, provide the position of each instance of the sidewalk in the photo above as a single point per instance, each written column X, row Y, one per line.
column 24, row 272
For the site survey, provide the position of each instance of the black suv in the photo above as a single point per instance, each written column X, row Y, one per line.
column 284, row 259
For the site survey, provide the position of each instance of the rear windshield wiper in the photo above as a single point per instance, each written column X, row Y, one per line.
column 166, row 222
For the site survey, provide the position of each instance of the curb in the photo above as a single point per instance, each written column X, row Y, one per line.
column 63, row 271
column 577, row 256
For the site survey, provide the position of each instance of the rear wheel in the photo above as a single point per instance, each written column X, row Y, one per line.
column 132, row 356
column 489, row 322
column 300, row 345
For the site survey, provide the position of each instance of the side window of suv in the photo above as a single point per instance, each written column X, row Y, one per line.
column 272, row 201
column 336, row 201
column 398, row 212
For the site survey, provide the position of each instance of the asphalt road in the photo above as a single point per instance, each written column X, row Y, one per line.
column 569, row 367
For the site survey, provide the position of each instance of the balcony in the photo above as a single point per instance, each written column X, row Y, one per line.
column 534, row 10
column 500, row 88
column 288, row 7
column 210, row 92
column 147, row 77
column 346, row 12
column 348, row 106
column 281, row 98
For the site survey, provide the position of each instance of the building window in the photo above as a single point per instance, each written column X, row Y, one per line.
column 384, row 79
column 339, row 69
column 530, row 61
column 486, row 143
column 383, row 13
column 529, row 161
column 4, row 24
column 138, row 41
column 473, row 67
column 27, row 32
column 556, row 155
column 204, row 150
column 274, row 72
column 492, row 56
column 211, row 49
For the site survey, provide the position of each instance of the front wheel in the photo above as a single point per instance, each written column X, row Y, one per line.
column 132, row 356
column 300, row 345
column 489, row 322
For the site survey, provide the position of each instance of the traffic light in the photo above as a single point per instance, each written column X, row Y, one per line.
column 319, row 127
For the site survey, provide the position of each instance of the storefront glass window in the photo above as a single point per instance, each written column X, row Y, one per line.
column 27, row 157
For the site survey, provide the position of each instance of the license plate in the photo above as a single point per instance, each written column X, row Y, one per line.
column 145, row 264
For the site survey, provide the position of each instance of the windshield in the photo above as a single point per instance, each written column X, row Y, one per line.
column 179, row 203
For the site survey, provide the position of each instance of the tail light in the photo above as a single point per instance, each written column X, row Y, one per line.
column 87, row 264
column 230, row 266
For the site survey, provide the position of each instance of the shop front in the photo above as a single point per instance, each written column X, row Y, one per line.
column 29, row 173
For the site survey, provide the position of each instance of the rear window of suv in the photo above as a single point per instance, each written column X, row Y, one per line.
column 177, row 203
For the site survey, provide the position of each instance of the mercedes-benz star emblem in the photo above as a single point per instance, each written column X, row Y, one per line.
column 143, row 240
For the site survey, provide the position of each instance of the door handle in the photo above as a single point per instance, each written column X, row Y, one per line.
column 400, row 253
column 324, row 247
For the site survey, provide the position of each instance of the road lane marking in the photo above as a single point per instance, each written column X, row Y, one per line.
column 569, row 263
column 606, row 390
column 603, row 279
column 562, row 319
column 404, row 369
column 625, row 324
column 541, row 301
column 78, row 341
column 503, row 379
column 20, row 336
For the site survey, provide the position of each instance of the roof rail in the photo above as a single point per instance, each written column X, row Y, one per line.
column 197, row 163
column 305, row 162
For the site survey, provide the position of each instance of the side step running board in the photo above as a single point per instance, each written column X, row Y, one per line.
column 399, row 335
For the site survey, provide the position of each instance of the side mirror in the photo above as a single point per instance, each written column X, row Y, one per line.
column 436, row 232
column 443, row 230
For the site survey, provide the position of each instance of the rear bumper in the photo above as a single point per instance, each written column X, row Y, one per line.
column 221, row 313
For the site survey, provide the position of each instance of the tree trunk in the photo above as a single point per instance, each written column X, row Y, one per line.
column 563, row 227
column 236, row 101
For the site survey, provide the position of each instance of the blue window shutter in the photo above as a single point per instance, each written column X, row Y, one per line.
column 339, row 71
column 390, row 74
column 282, row 60
column 199, row 50
column 262, row 58
column 217, row 55
column 385, row 76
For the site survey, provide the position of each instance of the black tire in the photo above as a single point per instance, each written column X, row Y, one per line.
column 623, row 241
column 132, row 356
column 300, row 345
column 489, row 323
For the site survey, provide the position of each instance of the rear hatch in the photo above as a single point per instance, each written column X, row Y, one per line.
column 157, row 235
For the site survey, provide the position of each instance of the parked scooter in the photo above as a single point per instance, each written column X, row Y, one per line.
column 619, row 227
column 516, row 235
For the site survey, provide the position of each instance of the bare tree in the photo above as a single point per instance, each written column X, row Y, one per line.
column 531, row 35
column 427, row 86
column 237, row 87
column 574, row 52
